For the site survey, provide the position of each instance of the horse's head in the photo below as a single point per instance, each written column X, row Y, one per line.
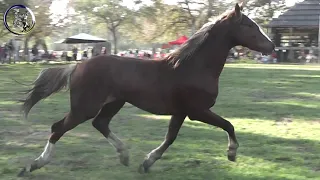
column 246, row 32
column 16, row 11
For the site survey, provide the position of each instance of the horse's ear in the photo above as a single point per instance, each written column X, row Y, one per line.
column 241, row 6
column 238, row 12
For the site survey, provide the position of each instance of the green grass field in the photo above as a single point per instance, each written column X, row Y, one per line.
column 275, row 110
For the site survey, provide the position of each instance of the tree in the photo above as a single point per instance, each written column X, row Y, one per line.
column 199, row 12
column 155, row 23
column 47, row 24
column 110, row 12
column 264, row 10
column 161, row 22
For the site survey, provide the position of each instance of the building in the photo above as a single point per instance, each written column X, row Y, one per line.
column 296, row 31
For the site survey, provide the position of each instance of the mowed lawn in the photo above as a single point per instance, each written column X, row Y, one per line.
column 275, row 110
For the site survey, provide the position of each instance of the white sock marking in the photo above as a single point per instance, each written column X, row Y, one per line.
column 46, row 155
column 117, row 143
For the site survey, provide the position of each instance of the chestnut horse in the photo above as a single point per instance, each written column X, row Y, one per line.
column 185, row 83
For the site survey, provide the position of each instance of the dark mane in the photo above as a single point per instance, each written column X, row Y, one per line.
column 189, row 48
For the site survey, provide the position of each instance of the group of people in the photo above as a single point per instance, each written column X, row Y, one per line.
column 5, row 52
column 89, row 52
column 136, row 54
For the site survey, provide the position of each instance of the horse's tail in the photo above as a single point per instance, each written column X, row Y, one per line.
column 49, row 81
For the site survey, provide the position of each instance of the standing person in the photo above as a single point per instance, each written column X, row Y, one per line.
column 85, row 54
column 92, row 52
column 103, row 50
column 75, row 53
column 5, row 52
column 2, row 54
column 131, row 54
column 34, row 52
column 148, row 56
column 11, row 49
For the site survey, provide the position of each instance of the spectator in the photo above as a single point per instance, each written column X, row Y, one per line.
column 35, row 53
column 85, row 55
column 5, row 52
column 75, row 52
column 92, row 52
column 104, row 50
column 2, row 54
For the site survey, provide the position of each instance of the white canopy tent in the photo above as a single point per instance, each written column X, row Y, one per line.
column 81, row 38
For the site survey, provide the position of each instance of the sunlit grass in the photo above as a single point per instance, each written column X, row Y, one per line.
column 274, row 108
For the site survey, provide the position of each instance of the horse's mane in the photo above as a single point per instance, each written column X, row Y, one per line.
column 189, row 48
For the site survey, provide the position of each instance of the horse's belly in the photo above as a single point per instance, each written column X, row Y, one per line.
column 158, row 109
column 156, row 103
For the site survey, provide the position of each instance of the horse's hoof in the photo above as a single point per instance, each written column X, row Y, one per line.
column 232, row 158
column 124, row 160
column 124, row 157
column 22, row 172
column 143, row 169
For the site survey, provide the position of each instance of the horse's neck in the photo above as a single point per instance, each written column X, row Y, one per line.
column 213, row 55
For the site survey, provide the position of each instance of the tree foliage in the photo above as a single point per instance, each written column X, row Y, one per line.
column 161, row 22
column 112, row 13
column 154, row 23
column 199, row 12
column 264, row 10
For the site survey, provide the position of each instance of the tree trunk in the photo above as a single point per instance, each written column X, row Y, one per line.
column 210, row 9
column 43, row 44
column 193, row 26
column 115, row 40
column 26, row 49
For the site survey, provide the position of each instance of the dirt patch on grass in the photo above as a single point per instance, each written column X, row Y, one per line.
column 192, row 163
column 268, row 96
column 317, row 169
column 315, row 122
column 283, row 159
column 76, row 164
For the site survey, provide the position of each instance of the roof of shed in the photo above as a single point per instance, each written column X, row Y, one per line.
column 303, row 14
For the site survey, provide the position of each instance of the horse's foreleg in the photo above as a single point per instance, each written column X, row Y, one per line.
column 57, row 130
column 211, row 118
column 173, row 129
column 101, row 123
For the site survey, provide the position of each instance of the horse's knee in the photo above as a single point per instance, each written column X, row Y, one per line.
column 56, row 127
column 101, row 125
column 96, row 123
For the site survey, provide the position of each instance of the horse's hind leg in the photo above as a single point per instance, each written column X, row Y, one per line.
column 57, row 130
column 101, row 123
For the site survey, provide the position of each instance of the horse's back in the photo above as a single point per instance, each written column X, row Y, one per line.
column 147, row 84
